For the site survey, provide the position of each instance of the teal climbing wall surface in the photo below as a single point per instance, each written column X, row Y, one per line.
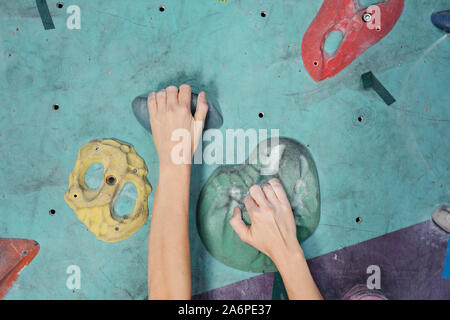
column 391, row 169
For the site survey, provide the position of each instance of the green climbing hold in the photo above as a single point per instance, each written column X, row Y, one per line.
column 281, row 158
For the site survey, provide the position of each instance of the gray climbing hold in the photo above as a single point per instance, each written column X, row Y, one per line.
column 441, row 216
column 139, row 105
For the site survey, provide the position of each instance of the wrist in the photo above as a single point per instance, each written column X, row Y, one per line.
column 169, row 168
column 288, row 257
column 174, row 172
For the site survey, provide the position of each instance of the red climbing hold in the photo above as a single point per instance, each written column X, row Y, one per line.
column 15, row 254
column 361, row 27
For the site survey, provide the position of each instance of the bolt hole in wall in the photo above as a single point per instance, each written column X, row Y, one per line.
column 261, row 114
column 52, row 212
column 111, row 180
column 263, row 14
column 162, row 8
column 358, row 220
column 60, row 4
column 55, row 107
column 361, row 118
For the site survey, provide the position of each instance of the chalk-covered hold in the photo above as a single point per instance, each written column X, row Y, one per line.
column 441, row 216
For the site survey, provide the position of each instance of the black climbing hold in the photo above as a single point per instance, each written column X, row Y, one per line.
column 371, row 82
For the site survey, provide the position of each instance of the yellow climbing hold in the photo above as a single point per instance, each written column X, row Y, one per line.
column 95, row 207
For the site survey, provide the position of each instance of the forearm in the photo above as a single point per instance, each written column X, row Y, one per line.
column 168, row 251
column 297, row 278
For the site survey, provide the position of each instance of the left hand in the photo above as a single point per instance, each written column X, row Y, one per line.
column 171, row 119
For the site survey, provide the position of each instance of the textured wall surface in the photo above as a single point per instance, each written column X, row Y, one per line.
column 391, row 169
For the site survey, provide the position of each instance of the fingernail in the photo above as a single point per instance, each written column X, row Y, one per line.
column 151, row 96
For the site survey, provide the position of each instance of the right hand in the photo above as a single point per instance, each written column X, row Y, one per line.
column 273, row 229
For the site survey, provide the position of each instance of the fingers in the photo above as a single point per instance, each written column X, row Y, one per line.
column 184, row 96
column 259, row 197
column 242, row 230
column 202, row 107
column 250, row 204
column 279, row 190
column 270, row 194
column 161, row 100
column 151, row 103
column 172, row 96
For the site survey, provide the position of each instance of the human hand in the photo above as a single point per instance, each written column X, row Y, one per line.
column 273, row 232
column 171, row 120
column 272, row 229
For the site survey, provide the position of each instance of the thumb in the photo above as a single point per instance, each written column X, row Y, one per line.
column 242, row 230
column 202, row 107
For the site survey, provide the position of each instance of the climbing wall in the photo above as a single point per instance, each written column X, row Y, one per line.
column 70, row 70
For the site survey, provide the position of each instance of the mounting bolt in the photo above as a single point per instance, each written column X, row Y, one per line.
column 367, row 17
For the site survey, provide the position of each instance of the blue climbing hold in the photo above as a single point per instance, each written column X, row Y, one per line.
column 139, row 105
column 441, row 20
